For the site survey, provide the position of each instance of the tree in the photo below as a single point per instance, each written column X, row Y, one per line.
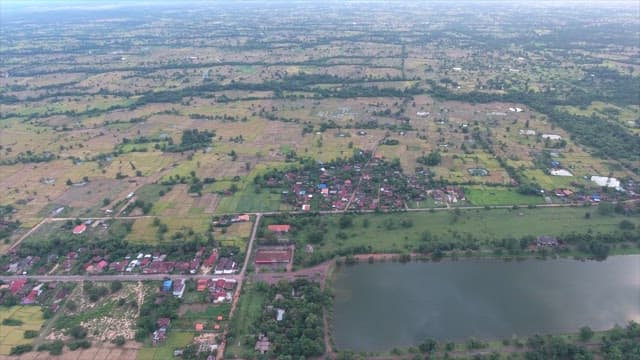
column 432, row 159
column 428, row 346
column 116, row 286
column 78, row 332
column 119, row 340
column 586, row 333
column 345, row 222
column 626, row 225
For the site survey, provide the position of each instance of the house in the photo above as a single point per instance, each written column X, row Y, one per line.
column 17, row 285
column 243, row 218
column 551, row 137
column 178, row 288
column 279, row 314
column 159, row 336
column 607, row 181
column 546, row 241
column 167, row 285
column 79, row 229
column 163, row 322
column 279, row 228
column 118, row 266
column 211, row 259
column 263, row 344
column 199, row 326
column 201, row 285
column 225, row 266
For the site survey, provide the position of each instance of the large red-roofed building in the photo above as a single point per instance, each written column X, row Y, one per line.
column 272, row 256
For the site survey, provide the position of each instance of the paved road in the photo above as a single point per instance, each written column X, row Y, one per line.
column 120, row 277
column 236, row 296
column 321, row 212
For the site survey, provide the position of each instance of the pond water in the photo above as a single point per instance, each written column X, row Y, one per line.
column 385, row 305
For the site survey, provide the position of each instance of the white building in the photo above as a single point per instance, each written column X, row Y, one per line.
column 607, row 181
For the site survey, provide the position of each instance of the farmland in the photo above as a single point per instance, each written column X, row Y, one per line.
column 30, row 318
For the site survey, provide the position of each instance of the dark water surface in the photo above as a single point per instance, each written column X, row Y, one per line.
column 385, row 305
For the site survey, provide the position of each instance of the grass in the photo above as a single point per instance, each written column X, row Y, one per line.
column 10, row 336
column 151, row 192
column 499, row 196
column 207, row 317
column 144, row 232
column 235, row 235
column 100, row 311
column 249, row 309
column 175, row 340
column 386, row 232
column 248, row 200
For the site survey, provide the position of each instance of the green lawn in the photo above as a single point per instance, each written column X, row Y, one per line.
column 249, row 309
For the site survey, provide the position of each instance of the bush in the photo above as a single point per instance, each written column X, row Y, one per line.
column 30, row 334
column 78, row 332
column 77, row 344
column 119, row 340
column 21, row 349
column 626, row 225
column 12, row 322
column 116, row 286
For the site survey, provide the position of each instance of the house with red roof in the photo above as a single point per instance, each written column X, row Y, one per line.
column 201, row 285
column 17, row 285
column 279, row 228
column 268, row 256
column 211, row 259
column 79, row 229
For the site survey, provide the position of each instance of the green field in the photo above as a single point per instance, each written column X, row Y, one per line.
column 10, row 336
column 250, row 201
column 249, row 308
column 208, row 317
column 404, row 232
column 175, row 340
column 482, row 196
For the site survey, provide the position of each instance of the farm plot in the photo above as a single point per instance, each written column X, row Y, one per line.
column 236, row 234
column 175, row 340
column 30, row 318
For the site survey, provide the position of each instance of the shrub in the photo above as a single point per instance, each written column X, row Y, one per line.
column 21, row 349
column 30, row 334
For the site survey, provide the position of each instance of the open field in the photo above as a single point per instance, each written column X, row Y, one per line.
column 175, row 340
column 249, row 308
column 31, row 318
column 394, row 233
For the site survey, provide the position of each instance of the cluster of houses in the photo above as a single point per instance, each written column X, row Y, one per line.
column 365, row 182
column 227, row 220
column 146, row 263
column 29, row 293
column 22, row 265
column 220, row 290
column 447, row 195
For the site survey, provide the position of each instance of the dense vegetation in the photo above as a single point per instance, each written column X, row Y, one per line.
column 299, row 333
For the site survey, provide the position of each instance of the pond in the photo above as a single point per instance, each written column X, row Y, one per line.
column 385, row 305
